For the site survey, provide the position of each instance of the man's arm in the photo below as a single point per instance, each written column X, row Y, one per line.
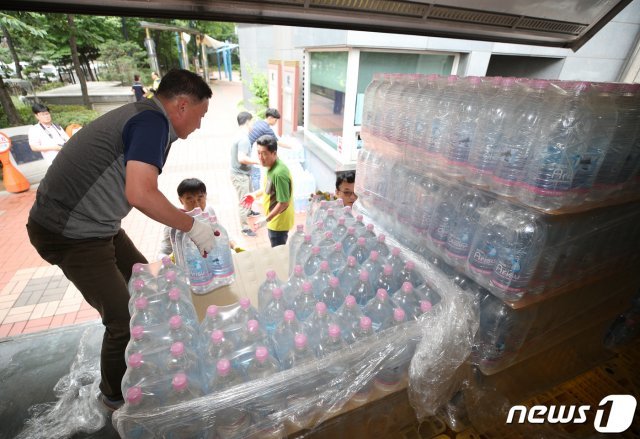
column 142, row 192
column 277, row 210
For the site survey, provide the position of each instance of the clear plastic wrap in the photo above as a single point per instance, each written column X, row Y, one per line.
column 553, row 145
column 309, row 394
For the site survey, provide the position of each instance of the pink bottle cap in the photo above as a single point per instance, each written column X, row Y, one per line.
column 277, row 293
column 321, row 308
column 141, row 303
column 369, row 227
column 382, row 294
column 179, row 381
column 307, row 238
column 338, row 247
column 166, row 261
column 245, row 303
column 334, row 330
column 171, row 276
column 175, row 322
column 398, row 314
column 346, row 209
column 410, row 265
column 381, row 238
column 212, row 311
column 307, row 286
column 138, row 284
column 300, row 227
column 223, row 367
column 425, row 306
column 135, row 360
column 351, row 230
column 323, row 204
column 271, row 275
column 289, row 316
column 297, row 270
column 217, row 336
column 134, row 395
column 334, row 282
column 365, row 323
column 137, row 332
column 330, row 211
column 315, row 250
column 350, row 301
column 253, row 325
column 364, row 275
column 320, row 225
column 359, row 218
column 138, row 268
column 300, row 341
column 373, row 255
column 395, row 252
column 324, row 266
column 351, row 261
column 362, row 241
column 407, row 287
column 328, row 235
column 174, row 294
column 387, row 270
column 262, row 354
column 341, row 221
column 177, row 349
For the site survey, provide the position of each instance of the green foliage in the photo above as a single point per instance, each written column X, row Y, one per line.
column 63, row 115
column 258, row 86
column 122, row 60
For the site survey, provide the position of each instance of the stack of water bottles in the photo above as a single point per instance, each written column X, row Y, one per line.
column 208, row 273
column 507, row 248
column 552, row 145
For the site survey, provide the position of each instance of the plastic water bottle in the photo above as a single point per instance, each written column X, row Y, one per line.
column 337, row 259
column 373, row 266
column 348, row 317
column 369, row 235
column 396, row 262
column 381, row 247
column 138, row 401
column 363, row 331
column 181, row 359
column 379, row 310
column 212, row 321
column 409, row 274
column 330, row 221
column 294, row 243
column 408, row 300
column 320, row 279
column 332, row 295
column 253, row 334
column 156, row 300
column 360, row 251
column 443, row 218
column 317, row 324
column 522, row 135
column 230, row 421
column 220, row 258
column 340, row 229
column 218, row 347
column 197, row 268
column 300, row 354
column 274, row 311
column 143, row 315
column 141, row 372
column 245, row 312
column 385, row 281
column 284, row 334
column 312, row 264
column 183, row 389
column 168, row 265
column 518, row 253
column 304, row 303
column 148, row 341
column 428, row 294
column 326, row 244
column 349, row 240
column 484, row 154
column 263, row 365
column 359, row 225
column 304, row 251
column 332, row 342
column 320, row 213
column 445, row 108
column 362, row 289
column 294, row 284
column 179, row 305
column 462, row 135
column 265, row 291
column 174, row 278
column 347, row 214
column 425, row 306
column 143, row 273
column 318, row 233
column 349, row 274
column 390, row 377
column 463, row 229
column 179, row 331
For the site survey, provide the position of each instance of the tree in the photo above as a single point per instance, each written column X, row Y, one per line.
column 122, row 60
column 17, row 22
column 76, row 61
column 7, row 105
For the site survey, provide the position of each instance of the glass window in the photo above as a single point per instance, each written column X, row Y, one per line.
column 328, row 73
column 389, row 62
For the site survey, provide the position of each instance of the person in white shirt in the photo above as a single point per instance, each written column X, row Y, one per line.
column 46, row 137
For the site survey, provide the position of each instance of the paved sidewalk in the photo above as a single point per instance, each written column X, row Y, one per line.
column 35, row 296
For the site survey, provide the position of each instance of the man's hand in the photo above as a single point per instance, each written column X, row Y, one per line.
column 202, row 236
column 247, row 201
column 260, row 222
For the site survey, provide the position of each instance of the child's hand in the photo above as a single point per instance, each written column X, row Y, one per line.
column 247, row 201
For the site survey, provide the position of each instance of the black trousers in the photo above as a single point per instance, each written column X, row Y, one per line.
column 277, row 237
column 100, row 268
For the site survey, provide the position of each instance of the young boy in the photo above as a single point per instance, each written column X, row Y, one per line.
column 192, row 193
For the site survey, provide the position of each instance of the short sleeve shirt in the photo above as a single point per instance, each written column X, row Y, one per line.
column 278, row 188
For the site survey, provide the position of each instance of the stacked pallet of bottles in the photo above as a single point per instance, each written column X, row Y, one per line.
column 529, row 188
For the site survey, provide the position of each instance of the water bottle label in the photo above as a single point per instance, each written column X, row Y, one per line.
column 483, row 258
column 441, row 231
column 585, row 166
column 458, row 245
column 508, row 275
column 555, row 173
column 198, row 273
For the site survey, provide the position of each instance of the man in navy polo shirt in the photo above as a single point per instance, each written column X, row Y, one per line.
column 104, row 170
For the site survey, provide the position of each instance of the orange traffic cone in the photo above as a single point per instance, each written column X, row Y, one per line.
column 12, row 178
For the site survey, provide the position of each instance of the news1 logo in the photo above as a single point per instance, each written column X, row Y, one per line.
column 613, row 415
